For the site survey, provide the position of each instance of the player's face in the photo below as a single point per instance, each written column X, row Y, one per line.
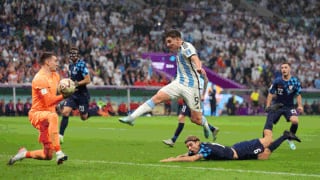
column 285, row 70
column 173, row 43
column 53, row 63
column 193, row 146
column 74, row 55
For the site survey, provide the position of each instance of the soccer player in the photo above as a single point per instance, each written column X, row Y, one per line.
column 43, row 115
column 186, row 83
column 259, row 148
column 283, row 91
column 185, row 111
column 79, row 73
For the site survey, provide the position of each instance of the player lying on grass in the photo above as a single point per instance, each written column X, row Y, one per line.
column 254, row 149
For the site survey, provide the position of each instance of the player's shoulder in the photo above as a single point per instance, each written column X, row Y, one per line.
column 81, row 62
column 186, row 45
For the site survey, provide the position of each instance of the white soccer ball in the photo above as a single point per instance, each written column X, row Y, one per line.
column 67, row 86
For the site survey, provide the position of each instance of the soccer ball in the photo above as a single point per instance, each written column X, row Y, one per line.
column 66, row 86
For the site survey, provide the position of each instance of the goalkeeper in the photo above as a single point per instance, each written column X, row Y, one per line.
column 43, row 115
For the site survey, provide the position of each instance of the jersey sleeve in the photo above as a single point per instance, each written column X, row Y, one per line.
column 298, row 84
column 272, row 88
column 83, row 68
column 188, row 50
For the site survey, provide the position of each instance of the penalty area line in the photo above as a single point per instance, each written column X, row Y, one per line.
column 198, row 168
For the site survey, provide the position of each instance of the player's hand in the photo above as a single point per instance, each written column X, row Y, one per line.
column 201, row 71
column 66, row 95
column 168, row 159
column 300, row 109
column 273, row 107
column 76, row 83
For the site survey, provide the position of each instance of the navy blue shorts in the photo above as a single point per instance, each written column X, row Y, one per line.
column 273, row 117
column 185, row 110
column 248, row 149
column 77, row 101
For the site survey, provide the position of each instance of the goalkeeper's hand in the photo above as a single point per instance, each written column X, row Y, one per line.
column 66, row 95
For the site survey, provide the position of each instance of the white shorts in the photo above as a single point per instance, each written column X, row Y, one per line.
column 190, row 95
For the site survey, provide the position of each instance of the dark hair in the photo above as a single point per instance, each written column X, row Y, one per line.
column 45, row 56
column 74, row 50
column 172, row 33
column 191, row 138
column 286, row 62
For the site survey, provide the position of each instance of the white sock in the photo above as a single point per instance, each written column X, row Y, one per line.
column 144, row 108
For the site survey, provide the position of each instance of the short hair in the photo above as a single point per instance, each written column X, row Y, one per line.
column 191, row 138
column 286, row 62
column 74, row 50
column 45, row 56
column 172, row 33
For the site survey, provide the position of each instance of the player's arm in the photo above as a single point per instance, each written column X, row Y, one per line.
column 46, row 92
column 86, row 80
column 269, row 100
column 299, row 102
column 183, row 158
column 205, row 84
column 198, row 63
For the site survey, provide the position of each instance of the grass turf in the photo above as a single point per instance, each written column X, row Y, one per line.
column 103, row 148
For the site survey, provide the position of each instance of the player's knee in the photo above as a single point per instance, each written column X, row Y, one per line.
column 84, row 117
column 66, row 111
column 294, row 119
column 196, row 120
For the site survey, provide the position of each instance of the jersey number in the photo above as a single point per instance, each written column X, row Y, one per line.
column 81, row 108
column 257, row 151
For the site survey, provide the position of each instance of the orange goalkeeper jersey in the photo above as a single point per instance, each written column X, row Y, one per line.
column 44, row 91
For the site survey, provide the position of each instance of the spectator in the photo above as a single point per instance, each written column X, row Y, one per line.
column 27, row 107
column 19, row 108
column 2, row 107
column 9, row 109
column 122, row 109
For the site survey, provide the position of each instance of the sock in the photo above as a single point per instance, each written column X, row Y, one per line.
column 212, row 128
column 63, row 124
column 204, row 122
column 145, row 107
column 178, row 131
column 275, row 144
column 294, row 128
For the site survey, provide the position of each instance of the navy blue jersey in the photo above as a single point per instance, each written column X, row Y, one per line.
column 214, row 151
column 285, row 90
column 77, row 72
column 248, row 149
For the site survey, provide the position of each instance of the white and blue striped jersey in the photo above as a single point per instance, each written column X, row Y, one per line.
column 186, row 69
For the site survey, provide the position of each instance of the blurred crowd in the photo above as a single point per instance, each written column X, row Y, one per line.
column 112, row 34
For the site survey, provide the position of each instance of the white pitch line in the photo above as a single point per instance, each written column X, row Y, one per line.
column 189, row 167
column 200, row 168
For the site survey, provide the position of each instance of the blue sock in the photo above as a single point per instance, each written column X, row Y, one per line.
column 64, row 124
column 294, row 128
column 177, row 132
column 275, row 144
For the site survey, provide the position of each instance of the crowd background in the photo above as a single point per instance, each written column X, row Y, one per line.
column 111, row 35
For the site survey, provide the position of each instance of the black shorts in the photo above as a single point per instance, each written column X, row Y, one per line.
column 185, row 110
column 273, row 117
column 248, row 149
column 78, row 101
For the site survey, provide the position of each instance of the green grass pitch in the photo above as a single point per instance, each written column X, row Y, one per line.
column 103, row 148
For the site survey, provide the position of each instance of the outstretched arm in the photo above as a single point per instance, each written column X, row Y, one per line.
column 183, row 158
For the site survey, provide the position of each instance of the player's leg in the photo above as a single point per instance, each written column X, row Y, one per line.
column 286, row 136
column 292, row 116
column 164, row 94
column 181, row 120
column 83, row 106
column 68, row 105
column 272, row 118
column 214, row 130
